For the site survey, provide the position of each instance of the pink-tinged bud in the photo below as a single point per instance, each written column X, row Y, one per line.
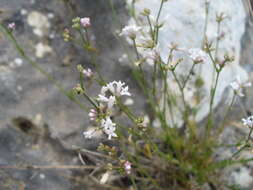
column 12, row 26
column 93, row 114
column 85, row 22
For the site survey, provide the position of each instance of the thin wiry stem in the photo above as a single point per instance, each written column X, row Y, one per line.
column 37, row 67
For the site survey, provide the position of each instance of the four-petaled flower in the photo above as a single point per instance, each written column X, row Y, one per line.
column 238, row 86
column 248, row 121
column 109, row 127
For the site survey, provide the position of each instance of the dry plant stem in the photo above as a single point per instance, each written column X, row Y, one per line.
column 36, row 66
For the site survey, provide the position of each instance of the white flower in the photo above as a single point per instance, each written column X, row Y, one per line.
column 89, row 134
column 109, row 127
column 127, row 167
column 248, row 121
column 130, row 31
column 116, row 88
column 238, row 86
column 12, row 26
column 87, row 72
column 197, row 55
column 110, row 101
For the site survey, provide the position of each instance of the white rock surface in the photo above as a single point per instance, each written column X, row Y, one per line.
column 184, row 25
column 42, row 49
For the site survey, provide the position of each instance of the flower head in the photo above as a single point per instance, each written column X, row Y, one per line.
column 197, row 55
column 116, row 88
column 248, row 121
column 110, row 101
column 109, row 127
column 238, row 86
column 85, row 22
column 12, row 26
column 87, row 72
column 130, row 31
column 127, row 167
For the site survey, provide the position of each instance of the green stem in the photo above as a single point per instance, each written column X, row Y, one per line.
column 246, row 145
column 213, row 91
column 182, row 94
column 126, row 110
column 157, row 19
column 36, row 66
column 188, row 76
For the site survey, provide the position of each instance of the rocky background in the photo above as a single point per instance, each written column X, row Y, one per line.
column 38, row 124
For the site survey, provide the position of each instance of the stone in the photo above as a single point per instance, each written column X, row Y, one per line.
column 183, row 24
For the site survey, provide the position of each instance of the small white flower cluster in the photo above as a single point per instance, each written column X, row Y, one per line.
column 108, row 96
column 130, row 31
column 197, row 55
column 109, row 127
column 248, row 121
column 238, row 86
column 116, row 88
